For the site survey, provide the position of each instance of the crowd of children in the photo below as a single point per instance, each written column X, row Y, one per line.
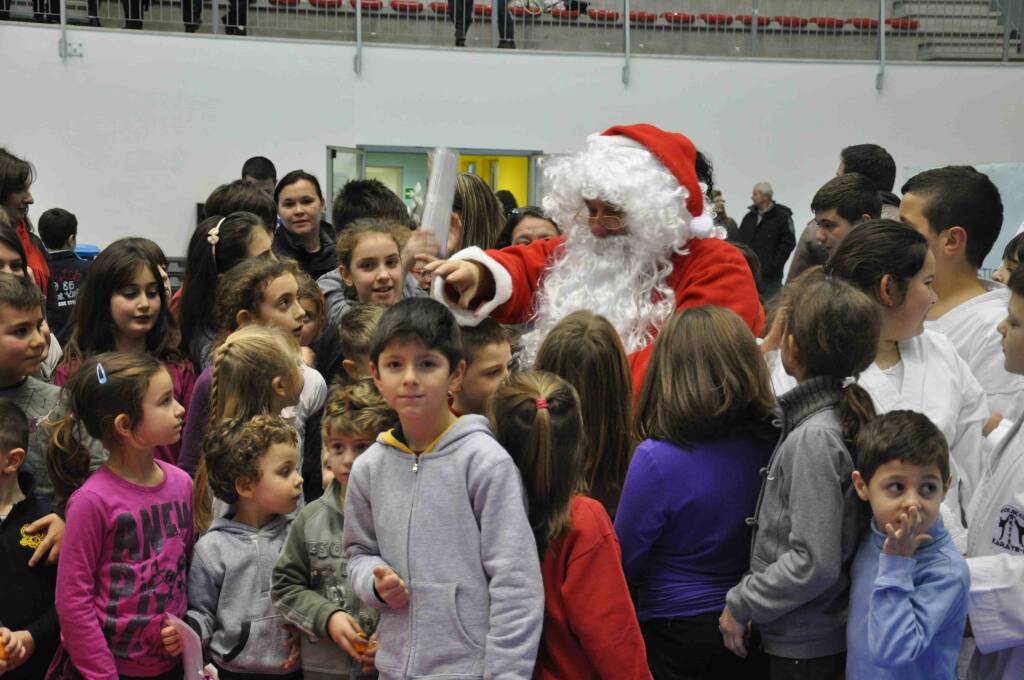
column 303, row 456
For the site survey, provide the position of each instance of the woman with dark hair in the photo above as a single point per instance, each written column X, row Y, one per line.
column 303, row 235
column 525, row 225
column 16, row 178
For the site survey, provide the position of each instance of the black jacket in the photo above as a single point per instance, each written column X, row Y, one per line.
column 315, row 264
column 773, row 239
column 27, row 594
column 67, row 271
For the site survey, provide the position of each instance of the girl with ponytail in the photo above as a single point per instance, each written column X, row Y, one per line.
column 914, row 368
column 808, row 517
column 590, row 627
column 129, row 524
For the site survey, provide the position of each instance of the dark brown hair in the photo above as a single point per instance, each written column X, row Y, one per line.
column 584, row 349
column 239, row 196
column 487, row 332
column 836, row 328
column 357, row 409
column 906, row 436
column 113, row 269
column 852, row 195
column 234, row 447
column 244, row 286
column 545, row 443
column 94, row 399
column 309, row 290
column 706, row 380
column 876, row 248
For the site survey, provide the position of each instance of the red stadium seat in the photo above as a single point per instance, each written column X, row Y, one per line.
column 482, row 10
column 284, row 3
column 439, row 7
column 716, row 19
column 903, row 23
column 407, row 6
column 603, row 15
column 828, row 23
column 368, row 5
column 863, row 23
column 640, row 17
column 565, row 14
column 748, row 19
column 677, row 18
column 791, row 21
column 326, row 4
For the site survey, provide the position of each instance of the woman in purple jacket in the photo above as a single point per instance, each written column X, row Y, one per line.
column 705, row 413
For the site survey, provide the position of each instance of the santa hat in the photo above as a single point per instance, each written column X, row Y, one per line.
column 676, row 152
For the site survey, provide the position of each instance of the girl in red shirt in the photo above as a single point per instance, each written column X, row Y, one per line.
column 590, row 626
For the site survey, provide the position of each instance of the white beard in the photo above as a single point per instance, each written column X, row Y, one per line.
column 622, row 278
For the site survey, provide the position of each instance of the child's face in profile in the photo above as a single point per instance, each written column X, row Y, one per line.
column 1002, row 275
column 280, row 305
column 342, row 450
column 1012, row 330
column 162, row 416
column 280, row 485
column 899, row 485
column 490, row 366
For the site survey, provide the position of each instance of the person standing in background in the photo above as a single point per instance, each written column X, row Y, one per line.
column 768, row 229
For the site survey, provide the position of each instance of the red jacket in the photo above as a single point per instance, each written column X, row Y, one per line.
column 590, row 626
column 714, row 273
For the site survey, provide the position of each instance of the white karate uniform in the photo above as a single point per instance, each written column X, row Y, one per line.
column 995, row 551
column 933, row 380
column 971, row 326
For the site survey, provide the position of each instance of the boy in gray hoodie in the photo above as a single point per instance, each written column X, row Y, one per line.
column 253, row 465
column 436, row 531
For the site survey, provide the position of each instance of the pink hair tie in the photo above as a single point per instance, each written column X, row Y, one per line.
column 541, row 403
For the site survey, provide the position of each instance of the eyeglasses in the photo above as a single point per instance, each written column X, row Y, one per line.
column 583, row 218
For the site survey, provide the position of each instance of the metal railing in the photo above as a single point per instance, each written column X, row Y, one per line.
column 882, row 30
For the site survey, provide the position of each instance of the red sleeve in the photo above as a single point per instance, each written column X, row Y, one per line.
column 600, row 611
column 713, row 273
column 525, row 264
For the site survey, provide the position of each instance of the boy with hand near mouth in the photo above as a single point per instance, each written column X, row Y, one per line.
column 909, row 585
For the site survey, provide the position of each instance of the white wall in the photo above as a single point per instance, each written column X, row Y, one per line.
column 131, row 136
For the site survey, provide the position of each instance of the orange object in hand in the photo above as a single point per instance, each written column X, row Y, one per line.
column 362, row 645
column 3, row 652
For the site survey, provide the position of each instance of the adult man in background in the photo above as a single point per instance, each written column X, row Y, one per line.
column 768, row 229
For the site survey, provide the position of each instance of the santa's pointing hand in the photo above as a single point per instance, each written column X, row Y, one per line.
column 466, row 283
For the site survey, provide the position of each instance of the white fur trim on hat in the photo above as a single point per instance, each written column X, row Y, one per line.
column 615, row 140
column 502, row 288
column 702, row 226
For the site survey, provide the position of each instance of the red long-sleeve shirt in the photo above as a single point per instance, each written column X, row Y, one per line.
column 590, row 626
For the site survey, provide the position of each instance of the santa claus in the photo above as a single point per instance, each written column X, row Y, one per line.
column 637, row 244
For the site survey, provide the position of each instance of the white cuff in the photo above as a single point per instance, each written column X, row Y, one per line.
column 502, row 288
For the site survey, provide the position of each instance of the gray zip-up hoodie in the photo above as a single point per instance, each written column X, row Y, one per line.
column 311, row 583
column 229, row 596
column 806, row 529
column 452, row 523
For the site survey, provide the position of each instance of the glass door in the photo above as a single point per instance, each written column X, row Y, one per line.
column 343, row 165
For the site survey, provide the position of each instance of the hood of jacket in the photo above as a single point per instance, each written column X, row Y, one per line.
column 445, row 443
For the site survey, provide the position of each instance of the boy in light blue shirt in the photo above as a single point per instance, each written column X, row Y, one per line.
column 909, row 585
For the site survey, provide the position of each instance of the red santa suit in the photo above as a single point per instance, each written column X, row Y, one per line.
column 713, row 273
column 668, row 252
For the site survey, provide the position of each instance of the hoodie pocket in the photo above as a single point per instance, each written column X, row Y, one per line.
column 441, row 644
column 260, row 647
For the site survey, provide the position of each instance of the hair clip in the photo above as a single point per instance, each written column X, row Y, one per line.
column 213, row 237
column 541, row 403
column 849, row 380
column 101, row 374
